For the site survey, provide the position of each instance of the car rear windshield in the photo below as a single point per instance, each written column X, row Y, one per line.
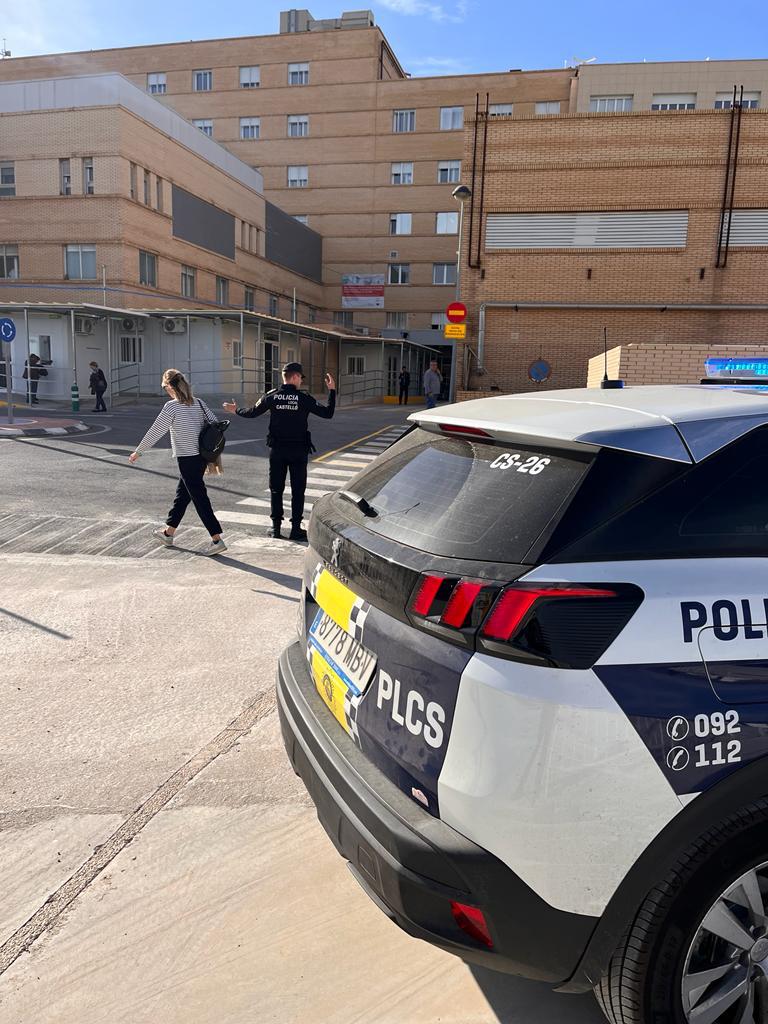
column 459, row 498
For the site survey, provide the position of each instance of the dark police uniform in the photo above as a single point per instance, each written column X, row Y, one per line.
column 289, row 442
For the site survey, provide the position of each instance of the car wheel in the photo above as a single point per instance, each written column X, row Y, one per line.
column 697, row 950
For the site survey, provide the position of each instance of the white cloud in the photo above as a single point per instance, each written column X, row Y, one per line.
column 49, row 26
column 454, row 12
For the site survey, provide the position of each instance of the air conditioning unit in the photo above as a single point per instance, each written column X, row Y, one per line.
column 84, row 325
column 363, row 330
column 174, row 325
column 393, row 254
column 133, row 324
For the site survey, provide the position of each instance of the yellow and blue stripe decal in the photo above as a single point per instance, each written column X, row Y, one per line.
column 336, row 599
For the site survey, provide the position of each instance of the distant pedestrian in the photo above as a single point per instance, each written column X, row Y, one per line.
column 433, row 382
column 404, row 381
column 185, row 416
column 98, row 386
column 33, row 371
column 289, row 441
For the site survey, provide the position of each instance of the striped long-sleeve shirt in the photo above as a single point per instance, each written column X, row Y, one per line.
column 185, row 423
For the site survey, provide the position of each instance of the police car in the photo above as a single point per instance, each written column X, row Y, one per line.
column 530, row 693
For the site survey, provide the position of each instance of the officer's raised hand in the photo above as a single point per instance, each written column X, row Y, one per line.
column 230, row 406
column 330, row 382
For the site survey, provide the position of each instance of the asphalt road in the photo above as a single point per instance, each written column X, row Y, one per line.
column 159, row 862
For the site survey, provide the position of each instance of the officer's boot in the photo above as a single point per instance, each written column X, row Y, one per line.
column 274, row 530
column 296, row 532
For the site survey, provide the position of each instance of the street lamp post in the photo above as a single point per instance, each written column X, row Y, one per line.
column 461, row 194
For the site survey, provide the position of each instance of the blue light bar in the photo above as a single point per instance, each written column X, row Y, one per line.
column 722, row 366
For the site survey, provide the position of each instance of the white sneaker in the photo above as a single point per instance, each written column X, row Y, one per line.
column 162, row 536
column 216, row 547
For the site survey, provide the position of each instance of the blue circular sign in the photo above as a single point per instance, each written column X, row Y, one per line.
column 7, row 329
column 539, row 371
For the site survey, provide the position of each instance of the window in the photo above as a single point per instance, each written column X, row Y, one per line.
column 131, row 349
column 355, row 366
column 448, row 172
column 205, row 126
column 188, row 282
column 403, row 120
column 749, row 101
column 447, row 223
column 159, row 191
column 400, row 223
column 548, row 107
column 147, row 190
column 80, row 262
column 148, row 268
column 343, row 318
column 499, row 109
column 202, row 81
column 298, row 74
column 245, row 235
column 311, row 314
column 443, row 273
column 397, row 321
column 156, row 83
column 402, row 174
column 451, row 119
column 87, row 175
column 298, row 126
column 274, row 305
column 250, row 127
column 674, row 101
column 249, row 300
column 439, row 320
column 302, row 218
column 610, row 104
column 237, row 351
column 7, row 178
column 222, row 291
column 298, row 177
column 133, row 181
column 250, row 77
column 9, row 262
column 41, row 346
column 399, row 273
column 65, row 178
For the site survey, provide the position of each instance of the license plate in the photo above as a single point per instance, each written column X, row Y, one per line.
column 341, row 667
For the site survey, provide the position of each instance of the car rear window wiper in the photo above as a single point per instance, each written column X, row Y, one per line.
column 365, row 507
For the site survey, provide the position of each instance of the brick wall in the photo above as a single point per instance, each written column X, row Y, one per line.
column 665, row 364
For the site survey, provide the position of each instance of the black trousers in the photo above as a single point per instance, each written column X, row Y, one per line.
column 280, row 464
column 403, row 395
column 100, row 404
column 192, row 488
column 32, row 390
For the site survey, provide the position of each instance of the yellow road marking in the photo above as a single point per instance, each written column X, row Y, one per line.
column 353, row 444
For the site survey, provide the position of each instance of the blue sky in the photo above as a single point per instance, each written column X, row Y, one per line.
column 429, row 36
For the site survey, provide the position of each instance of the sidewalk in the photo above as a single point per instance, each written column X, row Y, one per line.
column 35, row 426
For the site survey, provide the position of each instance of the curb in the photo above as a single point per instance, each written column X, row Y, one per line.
column 75, row 428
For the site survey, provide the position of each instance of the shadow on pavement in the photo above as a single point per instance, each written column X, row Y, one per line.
column 283, row 579
column 519, row 1001
column 37, row 625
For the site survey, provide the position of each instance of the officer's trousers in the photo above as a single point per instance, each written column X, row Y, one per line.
column 281, row 463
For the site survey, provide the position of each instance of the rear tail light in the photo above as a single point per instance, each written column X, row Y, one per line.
column 455, row 428
column 566, row 625
column 472, row 921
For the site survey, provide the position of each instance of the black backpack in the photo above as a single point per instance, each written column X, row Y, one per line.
column 212, row 438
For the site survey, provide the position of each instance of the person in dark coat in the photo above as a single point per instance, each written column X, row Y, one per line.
column 33, row 371
column 404, row 380
column 289, row 441
column 98, row 386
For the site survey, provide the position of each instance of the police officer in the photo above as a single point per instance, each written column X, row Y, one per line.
column 289, row 441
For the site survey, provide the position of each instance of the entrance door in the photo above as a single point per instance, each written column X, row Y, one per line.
column 271, row 365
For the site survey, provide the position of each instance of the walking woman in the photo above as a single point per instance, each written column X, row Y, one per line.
column 184, row 416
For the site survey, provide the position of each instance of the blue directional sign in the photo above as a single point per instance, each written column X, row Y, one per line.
column 539, row 371
column 7, row 329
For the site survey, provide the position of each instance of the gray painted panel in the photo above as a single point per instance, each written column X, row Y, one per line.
column 293, row 245
column 202, row 223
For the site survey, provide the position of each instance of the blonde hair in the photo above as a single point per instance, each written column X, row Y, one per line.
column 181, row 386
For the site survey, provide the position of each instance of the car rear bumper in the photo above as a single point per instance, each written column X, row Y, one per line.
column 412, row 864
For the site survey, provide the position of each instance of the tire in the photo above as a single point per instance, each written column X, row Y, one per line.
column 642, row 983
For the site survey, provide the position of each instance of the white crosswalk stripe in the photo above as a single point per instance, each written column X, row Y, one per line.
column 244, row 518
column 326, row 469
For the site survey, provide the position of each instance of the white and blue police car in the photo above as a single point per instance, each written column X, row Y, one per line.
column 530, row 693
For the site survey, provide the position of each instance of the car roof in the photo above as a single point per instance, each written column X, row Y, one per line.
column 684, row 423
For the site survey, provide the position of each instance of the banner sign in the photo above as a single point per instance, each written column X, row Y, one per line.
column 362, row 291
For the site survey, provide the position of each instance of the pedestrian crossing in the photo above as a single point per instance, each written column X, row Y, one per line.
column 322, row 478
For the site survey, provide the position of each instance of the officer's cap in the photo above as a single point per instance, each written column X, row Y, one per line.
column 290, row 368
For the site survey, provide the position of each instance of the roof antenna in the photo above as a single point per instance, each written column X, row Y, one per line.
column 605, row 383
column 4, row 52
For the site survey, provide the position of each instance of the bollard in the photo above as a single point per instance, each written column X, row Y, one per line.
column 75, row 397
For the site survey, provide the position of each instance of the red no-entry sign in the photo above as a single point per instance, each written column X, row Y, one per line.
column 456, row 313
